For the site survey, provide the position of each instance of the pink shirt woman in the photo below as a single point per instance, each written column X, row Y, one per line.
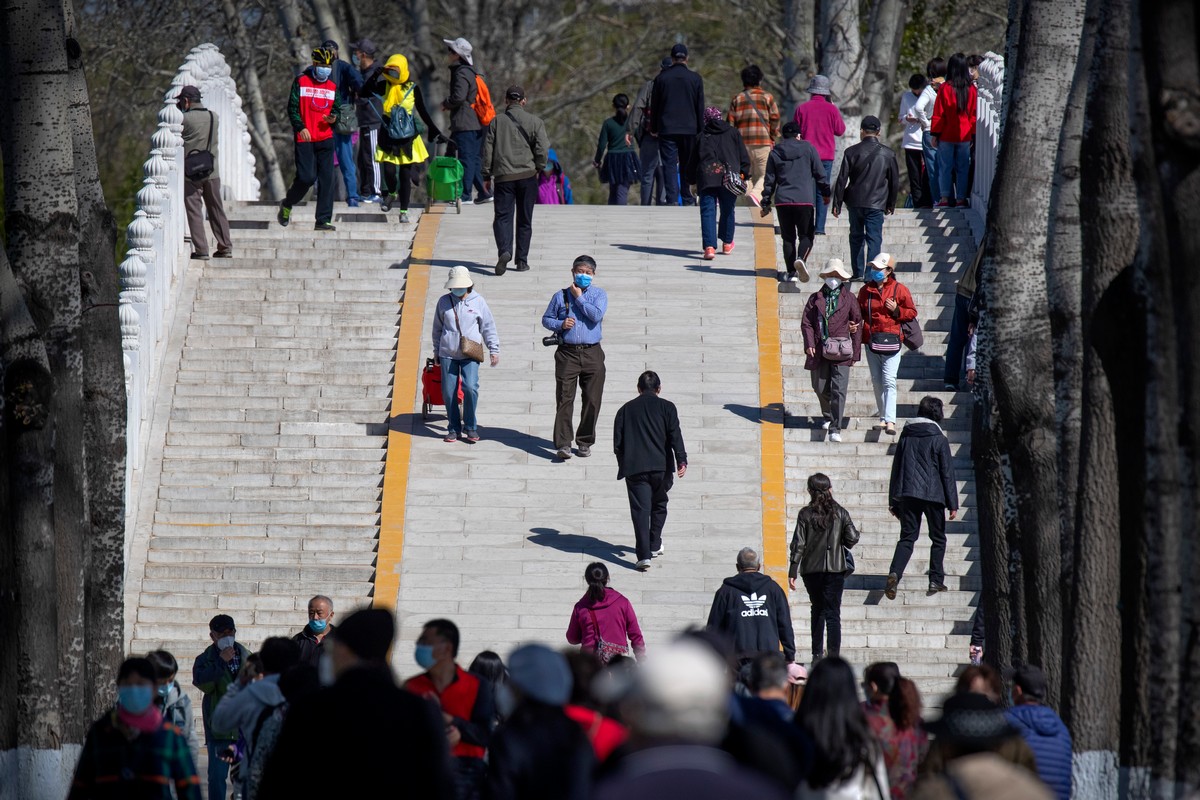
column 603, row 621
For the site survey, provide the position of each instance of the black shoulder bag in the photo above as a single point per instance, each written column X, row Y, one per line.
column 199, row 164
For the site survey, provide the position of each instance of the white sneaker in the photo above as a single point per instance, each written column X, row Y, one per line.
column 643, row 565
column 801, row 268
column 825, row 425
column 793, row 279
column 658, row 552
column 835, row 437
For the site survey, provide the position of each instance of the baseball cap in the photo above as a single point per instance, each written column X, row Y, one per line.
column 1032, row 681
column 871, row 123
column 797, row 674
column 679, row 51
column 514, row 93
column 190, row 93
column 541, row 674
column 365, row 45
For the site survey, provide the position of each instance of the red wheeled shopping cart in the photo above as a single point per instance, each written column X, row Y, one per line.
column 431, row 387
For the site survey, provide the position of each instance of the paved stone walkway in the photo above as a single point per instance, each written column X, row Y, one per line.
column 497, row 534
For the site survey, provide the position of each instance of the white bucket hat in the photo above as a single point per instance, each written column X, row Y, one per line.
column 462, row 47
column 460, row 278
column 835, row 267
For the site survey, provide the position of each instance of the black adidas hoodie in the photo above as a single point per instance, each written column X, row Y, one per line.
column 752, row 610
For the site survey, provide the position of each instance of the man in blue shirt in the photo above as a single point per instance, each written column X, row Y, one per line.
column 575, row 314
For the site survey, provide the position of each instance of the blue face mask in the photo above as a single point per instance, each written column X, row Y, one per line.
column 424, row 656
column 354, row 59
column 322, row 73
column 458, row 292
column 583, row 280
column 317, row 625
column 135, row 699
column 164, row 690
column 877, row 276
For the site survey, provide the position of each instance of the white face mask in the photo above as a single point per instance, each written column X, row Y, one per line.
column 225, row 642
column 833, row 283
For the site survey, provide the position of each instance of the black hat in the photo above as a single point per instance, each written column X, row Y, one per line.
column 368, row 633
column 190, row 93
column 330, row 43
column 365, row 45
column 972, row 719
column 1032, row 681
column 514, row 93
column 666, row 62
column 679, row 51
column 871, row 123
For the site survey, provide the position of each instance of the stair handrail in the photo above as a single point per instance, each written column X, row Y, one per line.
column 988, row 129
column 152, row 273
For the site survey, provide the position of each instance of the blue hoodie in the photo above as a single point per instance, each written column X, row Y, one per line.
column 1050, row 742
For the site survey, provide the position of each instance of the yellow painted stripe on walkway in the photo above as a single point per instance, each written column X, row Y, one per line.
column 770, row 400
column 404, row 388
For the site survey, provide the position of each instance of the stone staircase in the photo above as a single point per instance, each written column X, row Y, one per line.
column 927, row 636
column 271, row 432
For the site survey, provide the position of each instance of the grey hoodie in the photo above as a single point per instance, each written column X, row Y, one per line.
column 793, row 167
column 241, row 707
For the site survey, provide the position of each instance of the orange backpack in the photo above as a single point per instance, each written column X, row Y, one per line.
column 482, row 104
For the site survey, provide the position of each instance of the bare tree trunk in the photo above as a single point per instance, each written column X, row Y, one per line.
column 1017, row 321
column 353, row 20
column 104, row 402
column 260, row 128
column 884, row 32
column 294, row 34
column 843, row 62
column 993, row 535
column 327, row 23
column 423, row 64
column 797, row 63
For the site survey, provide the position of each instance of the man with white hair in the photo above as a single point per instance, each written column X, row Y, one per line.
column 678, row 711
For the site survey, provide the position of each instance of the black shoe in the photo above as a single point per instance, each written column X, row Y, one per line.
column 284, row 216
column 522, row 266
column 890, row 590
column 199, row 256
column 385, row 205
column 223, row 254
column 936, row 586
column 324, row 226
column 502, row 262
column 486, row 198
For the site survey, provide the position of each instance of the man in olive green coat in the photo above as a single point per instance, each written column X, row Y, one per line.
column 514, row 153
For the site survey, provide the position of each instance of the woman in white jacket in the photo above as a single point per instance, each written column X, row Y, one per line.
column 462, row 322
column 848, row 759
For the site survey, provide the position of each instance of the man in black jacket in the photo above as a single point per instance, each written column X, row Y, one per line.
column 648, row 444
column 369, row 107
column 867, row 184
column 752, row 611
column 677, row 115
column 368, row 731
column 794, row 171
column 923, row 484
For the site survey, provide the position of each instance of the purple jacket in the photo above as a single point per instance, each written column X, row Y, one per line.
column 839, row 324
column 615, row 617
column 820, row 123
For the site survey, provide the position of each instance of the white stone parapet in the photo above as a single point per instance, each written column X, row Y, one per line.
column 157, row 253
column 989, row 126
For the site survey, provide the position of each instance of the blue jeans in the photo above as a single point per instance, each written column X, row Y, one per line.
column 345, row 156
column 452, row 369
column 954, row 163
column 883, row 377
column 469, row 146
column 957, row 343
column 931, row 166
column 218, row 770
column 866, row 226
column 710, row 229
column 822, row 209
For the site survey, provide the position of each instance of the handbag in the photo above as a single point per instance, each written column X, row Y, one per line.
column 199, row 164
column 470, row 348
column 347, row 121
column 733, row 181
column 913, row 336
column 883, row 342
column 849, row 556
column 837, row 349
column 606, row 651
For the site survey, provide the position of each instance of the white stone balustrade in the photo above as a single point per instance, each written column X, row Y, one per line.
column 987, row 131
column 158, row 254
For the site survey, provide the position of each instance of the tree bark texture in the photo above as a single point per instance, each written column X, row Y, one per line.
column 251, row 91
column 328, row 26
column 799, row 61
column 844, row 63
column 104, row 404
column 884, row 31
column 996, row 599
column 295, row 33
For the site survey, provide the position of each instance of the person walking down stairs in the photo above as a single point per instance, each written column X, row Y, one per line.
column 922, row 485
column 886, row 304
column 313, row 111
column 832, row 329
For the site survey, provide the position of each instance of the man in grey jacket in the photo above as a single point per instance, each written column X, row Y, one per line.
column 923, row 484
column 200, row 193
column 514, row 152
column 465, row 130
column 637, row 125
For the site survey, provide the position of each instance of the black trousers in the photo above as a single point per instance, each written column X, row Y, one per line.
column 796, row 226
column 910, row 511
column 397, row 180
column 675, row 152
column 825, row 595
column 370, row 181
column 314, row 164
column 918, row 179
column 519, row 197
column 648, row 509
column 576, row 365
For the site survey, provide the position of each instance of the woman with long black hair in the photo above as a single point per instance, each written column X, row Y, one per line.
column 847, row 760
column 953, row 128
column 820, row 546
column 619, row 166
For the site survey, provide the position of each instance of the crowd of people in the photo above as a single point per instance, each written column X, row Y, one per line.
column 713, row 713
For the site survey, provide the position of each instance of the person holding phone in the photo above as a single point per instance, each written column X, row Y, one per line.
column 313, row 111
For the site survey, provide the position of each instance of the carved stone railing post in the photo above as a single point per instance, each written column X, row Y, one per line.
column 987, row 130
column 158, row 253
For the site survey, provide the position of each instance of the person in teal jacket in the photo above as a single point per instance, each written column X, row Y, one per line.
column 213, row 672
column 619, row 166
